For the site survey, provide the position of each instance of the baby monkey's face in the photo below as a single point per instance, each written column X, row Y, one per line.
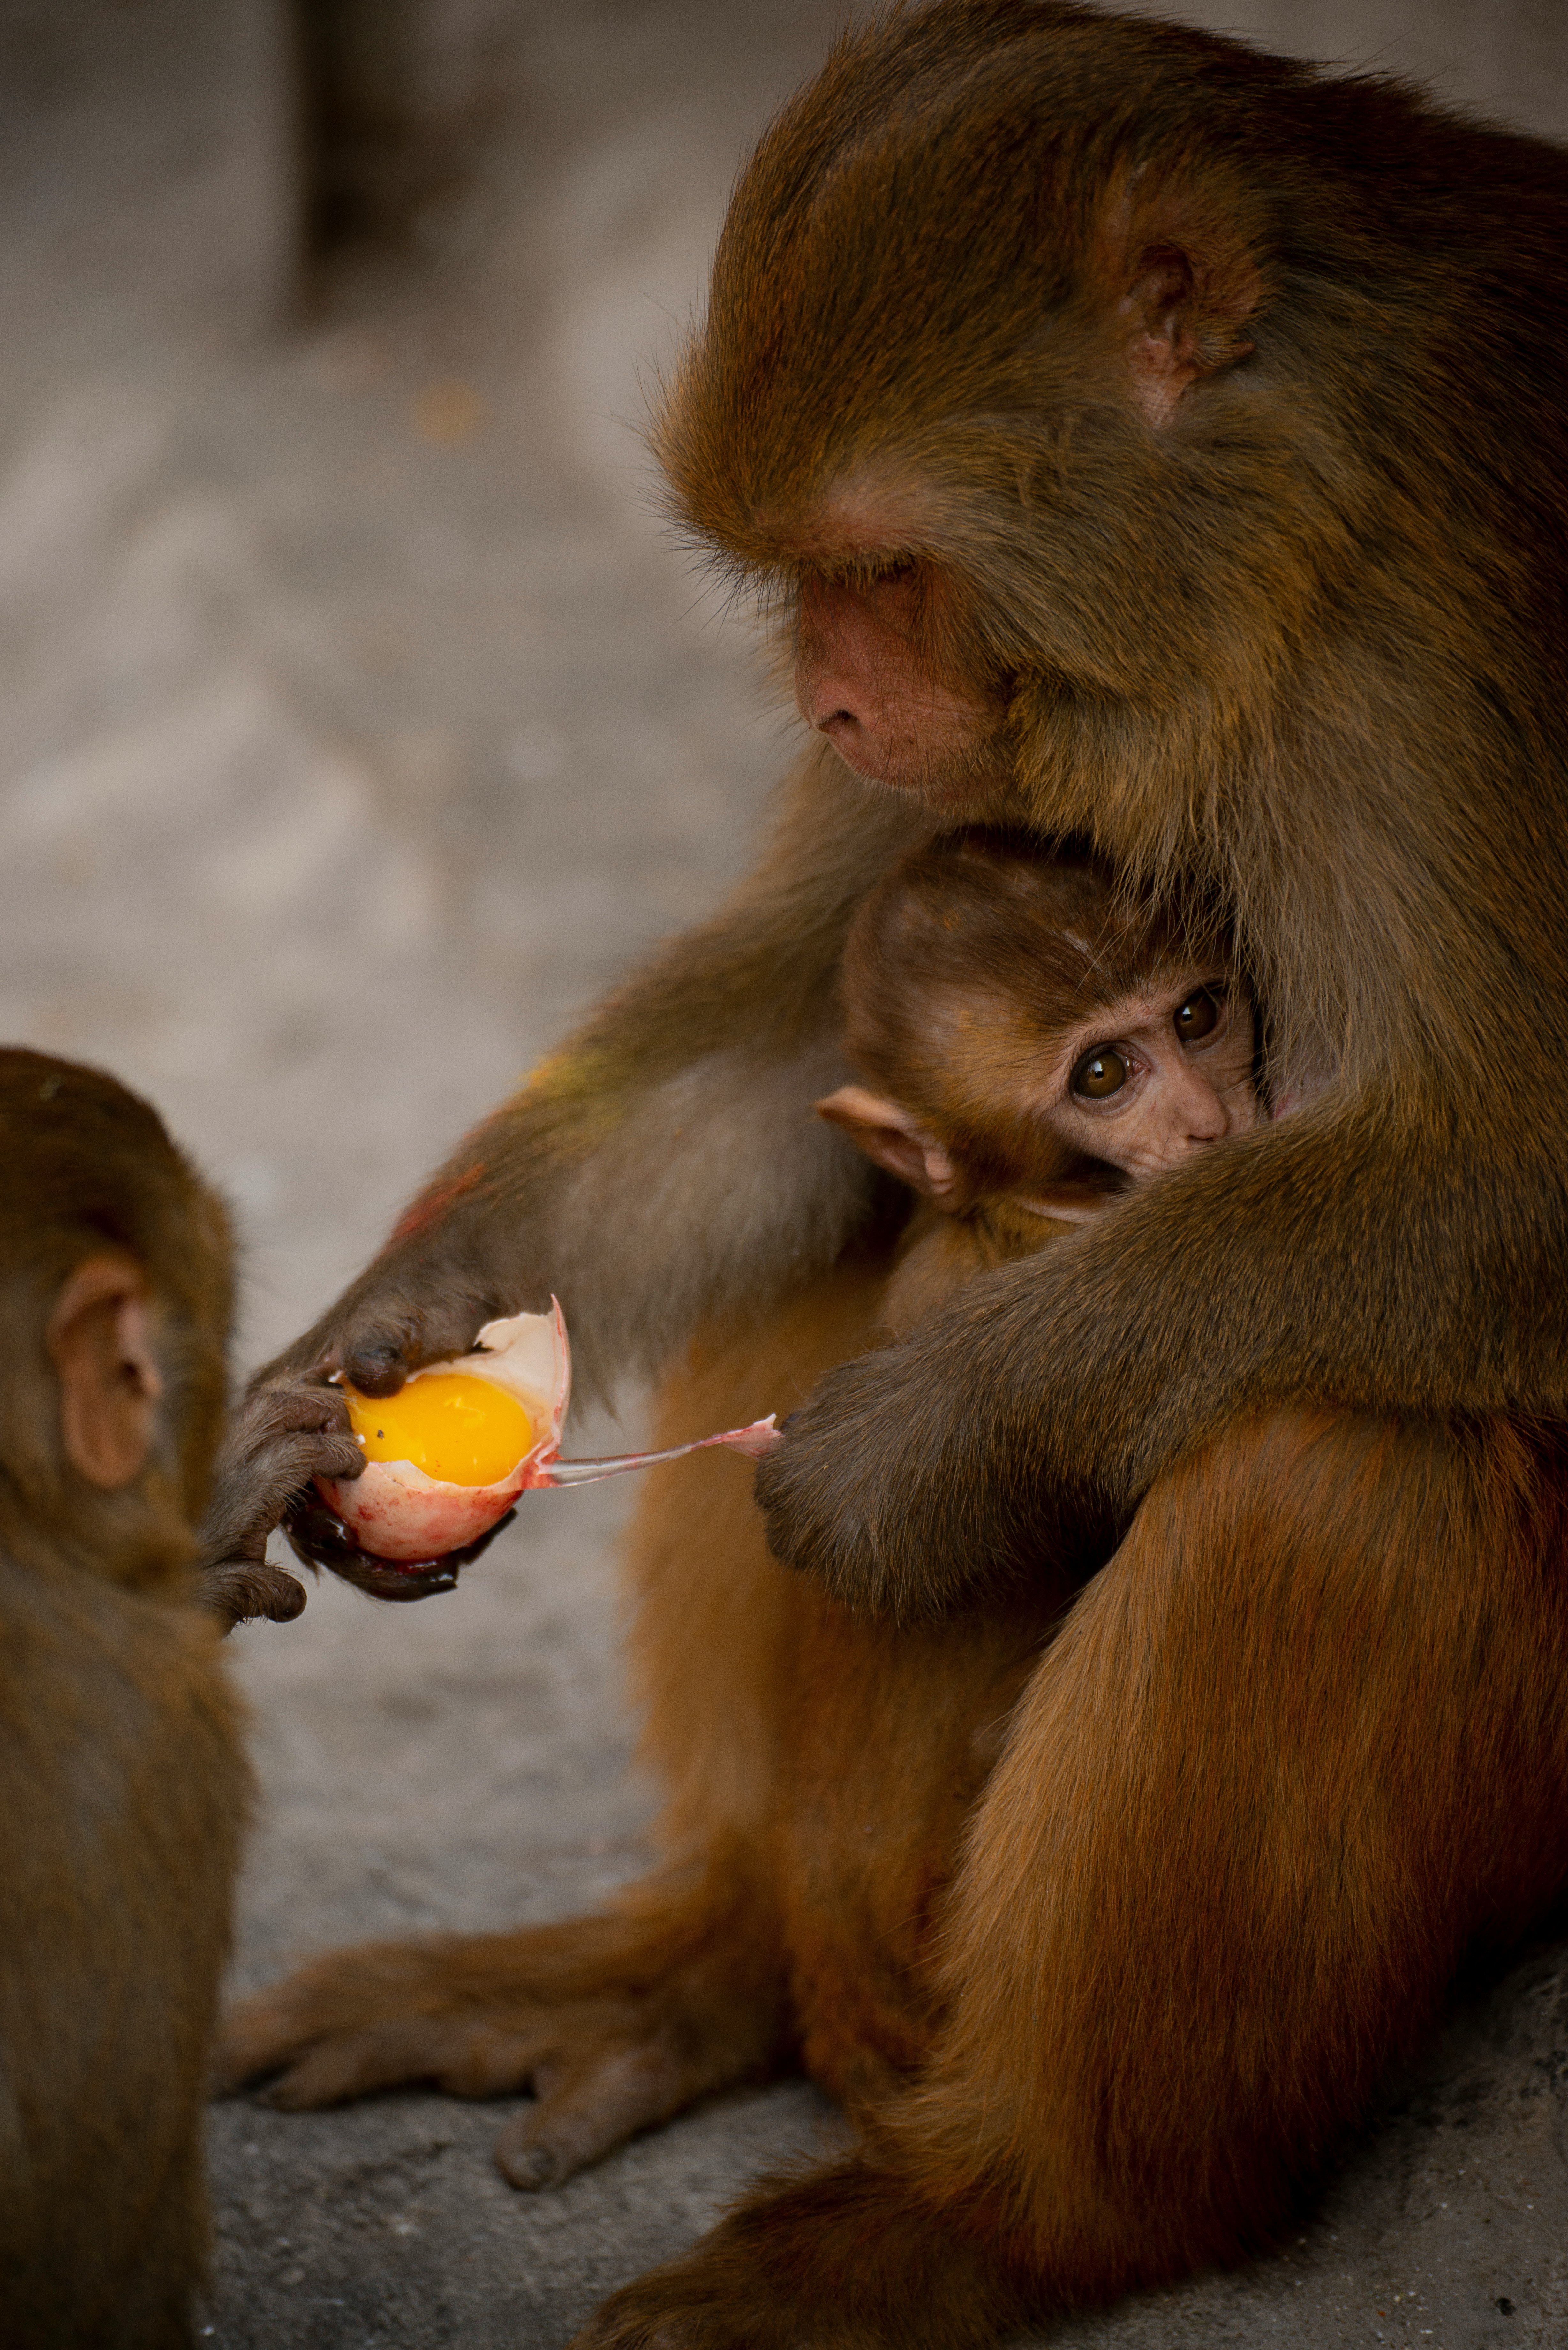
column 1075, row 1111
column 1151, row 1079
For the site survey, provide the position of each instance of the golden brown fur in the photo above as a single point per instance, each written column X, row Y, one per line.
column 1198, row 487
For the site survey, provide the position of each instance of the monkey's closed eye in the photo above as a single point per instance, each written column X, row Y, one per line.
column 1100, row 1072
column 1197, row 1016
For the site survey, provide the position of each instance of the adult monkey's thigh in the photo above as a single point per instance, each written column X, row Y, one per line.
column 1302, row 1742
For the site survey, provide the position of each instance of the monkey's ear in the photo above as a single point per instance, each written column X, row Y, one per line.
column 1189, row 282
column 888, row 1134
column 110, row 1384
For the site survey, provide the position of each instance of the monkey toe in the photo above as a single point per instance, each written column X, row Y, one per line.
column 462, row 2056
column 587, row 2111
column 273, row 2031
column 357, row 2063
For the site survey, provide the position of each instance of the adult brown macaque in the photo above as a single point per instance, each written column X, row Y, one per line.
column 1162, row 445
column 123, row 1785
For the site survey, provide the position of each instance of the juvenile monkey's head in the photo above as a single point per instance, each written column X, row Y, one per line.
column 115, row 1291
column 1026, row 1034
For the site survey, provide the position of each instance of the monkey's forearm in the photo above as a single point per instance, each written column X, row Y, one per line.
column 1321, row 1265
column 665, row 1163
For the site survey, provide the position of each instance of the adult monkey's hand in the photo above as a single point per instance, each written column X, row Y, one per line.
column 1057, row 1388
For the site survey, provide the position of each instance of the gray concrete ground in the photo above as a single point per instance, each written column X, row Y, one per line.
column 357, row 724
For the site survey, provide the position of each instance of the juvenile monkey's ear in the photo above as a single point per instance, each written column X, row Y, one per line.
column 887, row 1133
column 110, row 1384
column 1185, row 271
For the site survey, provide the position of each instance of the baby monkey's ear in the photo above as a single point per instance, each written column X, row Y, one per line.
column 885, row 1132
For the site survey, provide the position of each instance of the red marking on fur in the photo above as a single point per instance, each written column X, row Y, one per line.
column 432, row 1205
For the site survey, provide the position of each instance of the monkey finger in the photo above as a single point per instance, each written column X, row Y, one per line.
column 280, row 1411
column 239, row 1591
column 288, row 1467
column 332, row 1455
column 379, row 1352
column 377, row 1367
column 377, row 1358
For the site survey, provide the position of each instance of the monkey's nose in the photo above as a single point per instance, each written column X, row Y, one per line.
column 850, row 737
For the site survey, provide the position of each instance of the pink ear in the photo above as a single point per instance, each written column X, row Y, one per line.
column 887, row 1133
column 1189, row 281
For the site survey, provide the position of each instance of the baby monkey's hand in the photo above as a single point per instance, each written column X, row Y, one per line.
column 279, row 1440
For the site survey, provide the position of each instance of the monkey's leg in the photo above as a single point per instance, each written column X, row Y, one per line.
column 1302, row 1742
column 619, row 2021
column 615, row 2021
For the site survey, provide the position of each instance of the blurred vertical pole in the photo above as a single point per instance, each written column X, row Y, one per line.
column 394, row 97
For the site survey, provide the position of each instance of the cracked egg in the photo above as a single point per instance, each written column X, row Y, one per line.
column 448, row 1455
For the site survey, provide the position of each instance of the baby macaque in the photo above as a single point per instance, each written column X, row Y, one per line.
column 1034, row 1047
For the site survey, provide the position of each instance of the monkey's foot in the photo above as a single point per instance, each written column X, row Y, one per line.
column 844, row 2260
column 615, row 2023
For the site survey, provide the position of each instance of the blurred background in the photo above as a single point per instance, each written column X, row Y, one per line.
column 358, row 723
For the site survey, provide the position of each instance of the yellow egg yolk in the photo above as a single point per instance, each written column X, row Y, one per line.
column 450, row 1424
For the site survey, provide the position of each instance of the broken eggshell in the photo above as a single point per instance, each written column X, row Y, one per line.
column 401, row 1533
column 397, row 1512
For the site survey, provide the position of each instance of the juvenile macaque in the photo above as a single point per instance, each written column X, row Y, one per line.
column 123, row 1779
column 1035, row 1046
column 1153, row 443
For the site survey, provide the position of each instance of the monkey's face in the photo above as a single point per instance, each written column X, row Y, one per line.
column 1154, row 1078
column 974, row 405
column 1060, row 1122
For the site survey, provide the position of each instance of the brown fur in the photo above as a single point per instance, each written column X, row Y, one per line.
column 1205, row 438
column 124, row 1783
column 964, row 969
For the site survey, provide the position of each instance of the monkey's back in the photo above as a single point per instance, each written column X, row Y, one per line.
column 123, row 1790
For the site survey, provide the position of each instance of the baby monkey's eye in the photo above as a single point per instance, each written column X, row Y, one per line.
column 1099, row 1073
column 1198, row 1015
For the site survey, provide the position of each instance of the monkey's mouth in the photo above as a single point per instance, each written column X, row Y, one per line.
column 321, row 1538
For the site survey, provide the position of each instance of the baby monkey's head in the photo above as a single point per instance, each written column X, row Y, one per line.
column 1025, row 1033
